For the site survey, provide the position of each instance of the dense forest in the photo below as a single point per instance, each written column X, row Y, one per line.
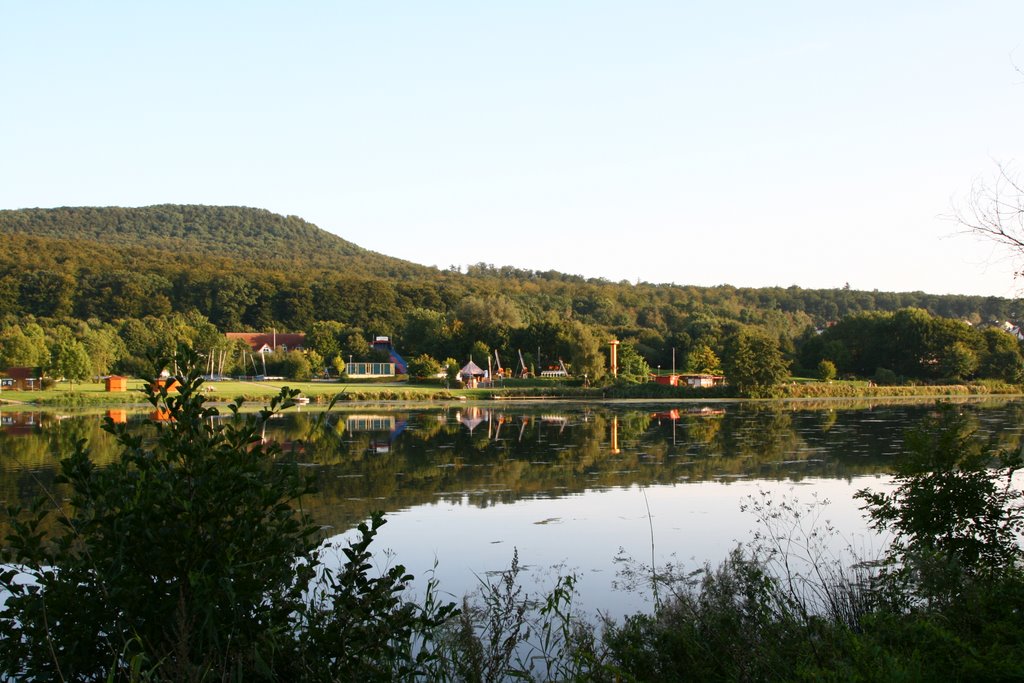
column 142, row 273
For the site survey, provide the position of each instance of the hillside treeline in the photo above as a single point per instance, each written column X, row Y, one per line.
column 236, row 269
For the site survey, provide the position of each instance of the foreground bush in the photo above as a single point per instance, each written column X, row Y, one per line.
column 944, row 603
column 190, row 558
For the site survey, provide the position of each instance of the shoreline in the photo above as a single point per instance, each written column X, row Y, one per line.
column 394, row 397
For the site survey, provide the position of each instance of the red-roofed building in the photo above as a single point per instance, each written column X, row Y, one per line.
column 268, row 342
column 26, row 379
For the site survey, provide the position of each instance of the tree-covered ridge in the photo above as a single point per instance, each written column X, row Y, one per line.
column 250, row 268
column 227, row 231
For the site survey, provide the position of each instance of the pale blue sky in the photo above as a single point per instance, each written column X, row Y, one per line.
column 750, row 143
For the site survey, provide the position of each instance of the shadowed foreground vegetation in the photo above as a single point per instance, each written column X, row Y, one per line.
column 190, row 556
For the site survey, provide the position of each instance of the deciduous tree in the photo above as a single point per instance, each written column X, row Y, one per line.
column 753, row 363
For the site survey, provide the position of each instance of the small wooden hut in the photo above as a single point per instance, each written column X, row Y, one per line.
column 116, row 383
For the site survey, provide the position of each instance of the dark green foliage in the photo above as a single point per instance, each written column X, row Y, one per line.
column 955, row 511
column 218, row 230
column 730, row 624
column 360, row 628
column 632, row 366
column 885, row 377
column 826, row 370
column 423, row 367
column 289, row 364
column 190, row 557
column 182, row 551
column 504, row 633
column 753, row 363
column 914, row 344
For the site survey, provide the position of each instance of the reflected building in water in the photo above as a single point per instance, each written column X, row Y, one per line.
column 383, row 429
column 21, row 423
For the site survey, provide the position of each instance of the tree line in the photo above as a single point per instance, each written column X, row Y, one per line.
column 124, row 282
column 907, row 346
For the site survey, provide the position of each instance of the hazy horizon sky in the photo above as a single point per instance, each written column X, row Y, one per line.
column 745, row 143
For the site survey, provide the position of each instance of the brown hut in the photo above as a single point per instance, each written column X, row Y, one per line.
column 169, row 382
column 116, row 383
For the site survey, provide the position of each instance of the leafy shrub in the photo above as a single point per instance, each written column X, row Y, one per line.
column 955, row 511
column 885, row 377
column 189, row 558
column 423, row 367
column 826, row 370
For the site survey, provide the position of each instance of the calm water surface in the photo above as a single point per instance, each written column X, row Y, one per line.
column 571, row 487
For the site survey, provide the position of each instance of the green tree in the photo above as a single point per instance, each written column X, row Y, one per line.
column 47, row 293
column 355, row 346
column 959, row 361
column 290, row 364
column 826, row 370
column 104, row 348
column 703, row 360
column 423, row 366
column 325, row 337
column 955, row 511
column 316, row 363
column 1001, row 357
column 753, row 363
column 479, row 352
column 451, row 370
column 70, row 360
column 426, row 331
column 24, row 348
column 632, row 366
column 338, row 363
column 230, row 295
column 585, row 357
column 489, row 319
column 293, row 306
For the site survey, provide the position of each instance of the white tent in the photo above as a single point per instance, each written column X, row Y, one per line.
column 471, row 371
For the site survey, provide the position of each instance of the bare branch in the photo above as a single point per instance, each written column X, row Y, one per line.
column 995, row 211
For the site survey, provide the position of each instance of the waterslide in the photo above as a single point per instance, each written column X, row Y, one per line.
column 401, row 367
column 382, row 342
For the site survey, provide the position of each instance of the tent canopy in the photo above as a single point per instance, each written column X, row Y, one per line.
column 471, row 369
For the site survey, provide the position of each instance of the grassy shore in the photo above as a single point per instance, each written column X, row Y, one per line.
column 95, row 394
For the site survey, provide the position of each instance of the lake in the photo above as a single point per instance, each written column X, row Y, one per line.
column 570, row 487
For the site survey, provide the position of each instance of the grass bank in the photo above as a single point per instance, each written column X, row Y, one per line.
column 95, row 394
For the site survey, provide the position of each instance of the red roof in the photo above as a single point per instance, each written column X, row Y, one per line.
column 22, row 374
column 257, row 340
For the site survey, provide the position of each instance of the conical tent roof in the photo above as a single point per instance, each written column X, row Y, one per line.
column 471, row 418
column 471, row 369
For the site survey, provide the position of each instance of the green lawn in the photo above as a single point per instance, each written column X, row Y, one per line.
column 95, row 393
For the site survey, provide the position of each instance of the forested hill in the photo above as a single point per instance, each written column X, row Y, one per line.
column 231, row 232
column 249, row 269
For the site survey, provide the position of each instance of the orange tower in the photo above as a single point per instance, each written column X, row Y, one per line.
column 614, row 344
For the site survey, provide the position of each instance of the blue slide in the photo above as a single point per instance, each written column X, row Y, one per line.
column 400, row 365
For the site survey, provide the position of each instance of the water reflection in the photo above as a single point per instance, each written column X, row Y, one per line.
column 483, row 456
